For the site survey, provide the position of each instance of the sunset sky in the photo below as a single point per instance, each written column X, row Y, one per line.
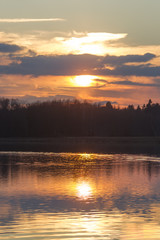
column 98, row 50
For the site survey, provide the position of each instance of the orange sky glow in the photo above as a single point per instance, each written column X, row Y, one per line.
column 44, row 56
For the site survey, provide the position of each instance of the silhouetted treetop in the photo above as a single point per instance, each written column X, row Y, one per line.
column 75, row 118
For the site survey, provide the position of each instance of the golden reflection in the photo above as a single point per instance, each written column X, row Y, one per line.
column 100, row 180
column 77, row 225
column 84, row 190
column 86, row 155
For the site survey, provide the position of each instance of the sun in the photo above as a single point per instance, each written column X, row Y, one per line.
column 84, row 80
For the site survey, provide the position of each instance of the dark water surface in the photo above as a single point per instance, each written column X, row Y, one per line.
column 79, row 196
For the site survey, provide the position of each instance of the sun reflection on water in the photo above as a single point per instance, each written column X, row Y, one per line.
column 79, row 196
column 84, row 190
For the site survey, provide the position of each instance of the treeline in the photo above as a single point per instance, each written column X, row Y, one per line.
column 68, row 118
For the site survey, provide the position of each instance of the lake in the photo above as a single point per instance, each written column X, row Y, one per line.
column 79, row 196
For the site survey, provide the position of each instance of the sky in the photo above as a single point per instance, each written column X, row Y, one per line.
column 94, row 50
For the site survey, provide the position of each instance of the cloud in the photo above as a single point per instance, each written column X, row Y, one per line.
column 84, row 64
column 103, row 83
column 131, row 83
column 100, row 81
column 124, row 93
column 53, row 42
column 91, row 43
column 119, row 60
column 32, row 99
column 130, row 70
column 25, row 20
column 8, row 48
column 92, row 37
column 52, row 65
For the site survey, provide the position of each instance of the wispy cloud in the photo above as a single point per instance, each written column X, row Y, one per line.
column 156, row 83
column 25, row 20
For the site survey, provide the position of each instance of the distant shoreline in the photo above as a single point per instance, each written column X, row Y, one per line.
column 133, row 145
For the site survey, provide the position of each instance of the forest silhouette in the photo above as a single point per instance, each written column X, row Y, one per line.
column 77, row 119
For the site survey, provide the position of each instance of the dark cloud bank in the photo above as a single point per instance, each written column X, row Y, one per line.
column 67, row 65
column 7, row 48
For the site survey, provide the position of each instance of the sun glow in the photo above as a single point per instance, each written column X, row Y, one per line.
column 84, row 80
column 91, row 43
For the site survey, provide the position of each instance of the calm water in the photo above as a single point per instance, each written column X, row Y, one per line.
column 79, row 196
